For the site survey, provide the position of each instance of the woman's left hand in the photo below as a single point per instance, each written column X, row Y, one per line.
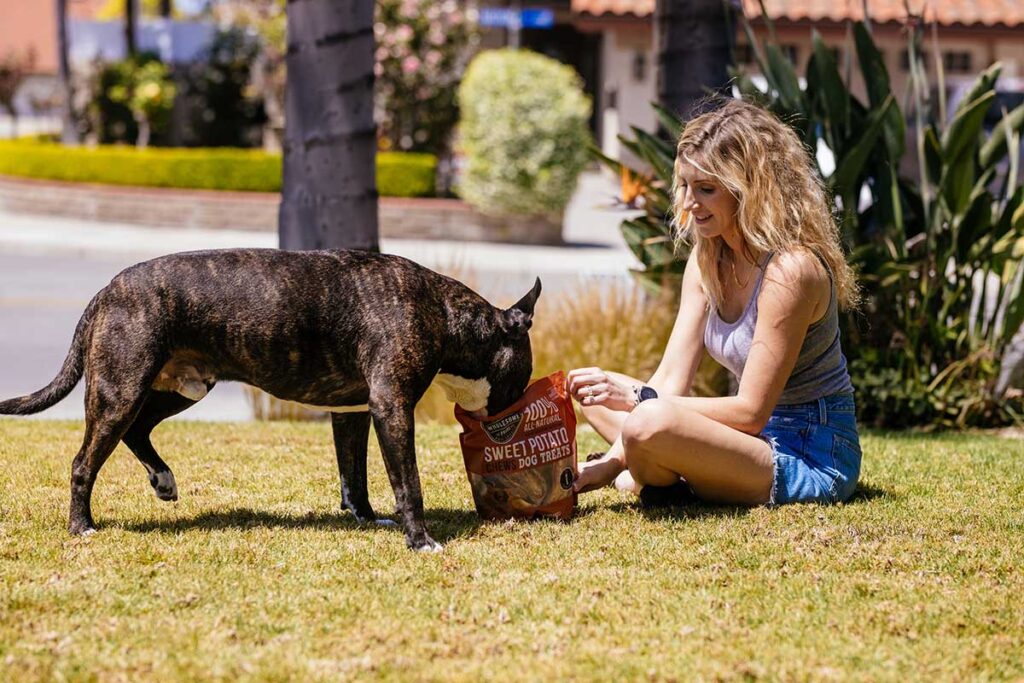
column 594, row 387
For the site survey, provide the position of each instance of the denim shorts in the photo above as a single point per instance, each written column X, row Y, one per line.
column 816, row 450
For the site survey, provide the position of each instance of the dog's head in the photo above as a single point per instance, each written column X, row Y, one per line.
column 508, row 365
column 513, row 362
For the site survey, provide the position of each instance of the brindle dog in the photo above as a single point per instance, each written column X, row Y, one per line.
column 361, row 335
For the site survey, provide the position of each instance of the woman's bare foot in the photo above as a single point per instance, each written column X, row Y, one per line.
column 597, row 473
column 625, row 482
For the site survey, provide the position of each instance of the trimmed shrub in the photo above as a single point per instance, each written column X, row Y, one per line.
column 399, row 174
column 523, row 133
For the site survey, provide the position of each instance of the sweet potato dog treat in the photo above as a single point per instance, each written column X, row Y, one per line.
column 522, row 461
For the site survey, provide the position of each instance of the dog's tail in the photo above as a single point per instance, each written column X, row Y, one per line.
column 65, row 381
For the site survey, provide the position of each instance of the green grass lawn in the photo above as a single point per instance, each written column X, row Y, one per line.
column 255, row 574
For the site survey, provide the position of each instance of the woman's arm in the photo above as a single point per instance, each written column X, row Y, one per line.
column 685, row 347
column 679, row 362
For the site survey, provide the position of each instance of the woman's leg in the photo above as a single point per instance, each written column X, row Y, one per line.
column 664, row 441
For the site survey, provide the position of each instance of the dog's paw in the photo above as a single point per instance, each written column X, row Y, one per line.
column 164, row 485
column 368, row 517
column 427, row 545
column 83, row 529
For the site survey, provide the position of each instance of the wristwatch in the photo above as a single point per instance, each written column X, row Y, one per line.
column 642, row 393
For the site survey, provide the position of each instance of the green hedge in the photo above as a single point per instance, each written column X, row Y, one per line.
column 399, row 174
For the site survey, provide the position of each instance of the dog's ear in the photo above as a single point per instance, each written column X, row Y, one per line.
column 518, row 319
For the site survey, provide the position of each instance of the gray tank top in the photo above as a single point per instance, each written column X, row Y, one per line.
column 820, row 368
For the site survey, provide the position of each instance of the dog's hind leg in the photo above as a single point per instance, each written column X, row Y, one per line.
column 111, row 408
column 159, row 406
column 351, row 433
column 122, row 360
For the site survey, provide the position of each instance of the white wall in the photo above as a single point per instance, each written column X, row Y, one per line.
column 632, row 97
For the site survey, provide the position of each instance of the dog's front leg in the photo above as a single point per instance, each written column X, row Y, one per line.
column 395, row 429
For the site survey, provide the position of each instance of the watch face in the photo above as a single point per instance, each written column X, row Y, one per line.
column 647, row 392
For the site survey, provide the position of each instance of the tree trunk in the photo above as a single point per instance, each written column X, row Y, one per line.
column 329, row 193
column 69, row 130
column 130, row 43
column 142, row 141
column 694, row 44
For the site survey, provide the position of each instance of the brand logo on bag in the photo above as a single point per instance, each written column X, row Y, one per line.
column 502, row 431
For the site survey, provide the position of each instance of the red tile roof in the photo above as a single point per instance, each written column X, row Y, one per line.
column 963, row 12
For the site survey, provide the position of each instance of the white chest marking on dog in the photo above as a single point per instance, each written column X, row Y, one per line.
column 471, row 394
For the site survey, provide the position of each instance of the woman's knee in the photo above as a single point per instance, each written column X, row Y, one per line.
column 645, row 423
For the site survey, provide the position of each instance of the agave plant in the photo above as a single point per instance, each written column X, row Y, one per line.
column 650, row 236
column 940, row 257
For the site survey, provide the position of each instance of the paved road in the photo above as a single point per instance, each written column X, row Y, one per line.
column 50, row 268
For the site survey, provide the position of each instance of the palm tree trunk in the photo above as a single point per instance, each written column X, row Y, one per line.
column 695, row 40
column 69, row 130
column 329, row 193
column 130, row 42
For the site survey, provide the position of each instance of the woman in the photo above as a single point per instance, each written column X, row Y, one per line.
column 761, row 292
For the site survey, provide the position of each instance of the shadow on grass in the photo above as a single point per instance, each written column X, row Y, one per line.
column 864, row 493
column 443, row 524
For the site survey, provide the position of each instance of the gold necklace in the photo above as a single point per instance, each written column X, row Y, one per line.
column 735, row 277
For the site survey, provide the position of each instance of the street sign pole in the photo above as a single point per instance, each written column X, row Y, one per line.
column 515, row 24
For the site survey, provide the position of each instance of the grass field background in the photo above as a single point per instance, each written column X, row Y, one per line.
column 255, row 574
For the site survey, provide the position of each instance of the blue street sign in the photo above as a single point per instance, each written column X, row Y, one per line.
column 506, row 17
column 496, row 17
column 538, row 18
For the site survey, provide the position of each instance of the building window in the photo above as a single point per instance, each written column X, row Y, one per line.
column 639, row 66
column 957, row 62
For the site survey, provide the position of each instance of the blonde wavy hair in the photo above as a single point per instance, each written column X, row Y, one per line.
column 783, row 203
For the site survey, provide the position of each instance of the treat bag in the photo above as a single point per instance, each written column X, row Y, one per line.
column 522, row 462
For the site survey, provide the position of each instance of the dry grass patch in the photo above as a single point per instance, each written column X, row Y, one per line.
column 255, row 574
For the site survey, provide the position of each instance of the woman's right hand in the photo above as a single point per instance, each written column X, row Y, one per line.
column 595, row 387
